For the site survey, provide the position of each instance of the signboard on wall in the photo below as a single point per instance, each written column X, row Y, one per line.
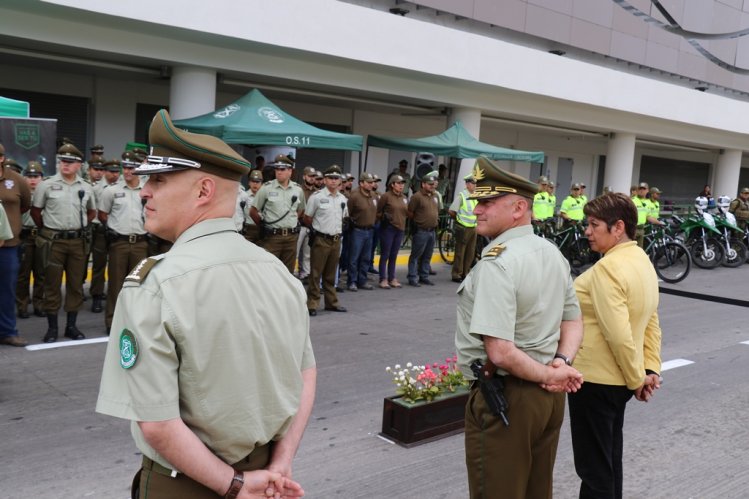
column 30, row 139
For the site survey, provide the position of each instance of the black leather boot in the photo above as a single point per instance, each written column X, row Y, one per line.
column 96, row 304
column 51, row 335
column 71, row 331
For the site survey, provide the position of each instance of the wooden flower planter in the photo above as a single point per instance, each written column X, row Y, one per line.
column 413, row 424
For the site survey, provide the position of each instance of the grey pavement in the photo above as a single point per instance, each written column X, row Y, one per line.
column 691, row 441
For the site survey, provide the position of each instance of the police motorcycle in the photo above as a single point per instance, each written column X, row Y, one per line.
column 735, row 250
column 701, row 236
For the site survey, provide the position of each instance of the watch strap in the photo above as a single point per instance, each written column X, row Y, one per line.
column 566, row 359
column 236, row 485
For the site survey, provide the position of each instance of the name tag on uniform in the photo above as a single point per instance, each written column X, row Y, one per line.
column 436, row 201
column 272, row 194
column 56, row 187
column 119, row 195
column 324, row 201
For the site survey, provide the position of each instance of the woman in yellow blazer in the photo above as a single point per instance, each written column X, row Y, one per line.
column 620, row 353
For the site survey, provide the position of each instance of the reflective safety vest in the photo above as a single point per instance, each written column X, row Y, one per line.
column 542, row 208
column 654, row 210
column 642, row 206
column 465, row 214
column 573, row 208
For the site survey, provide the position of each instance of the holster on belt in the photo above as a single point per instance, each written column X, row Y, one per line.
column 44, row 246
column 311, row 234
column 492, row 388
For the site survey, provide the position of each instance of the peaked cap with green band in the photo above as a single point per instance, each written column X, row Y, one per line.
column 492, row 181
column 174, row 150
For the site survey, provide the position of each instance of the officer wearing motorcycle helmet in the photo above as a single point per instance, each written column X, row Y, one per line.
column 700, row 204
column 723, row 203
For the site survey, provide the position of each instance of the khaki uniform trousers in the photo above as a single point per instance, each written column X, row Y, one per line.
column 99, row 259
column 323, row 263
column 68, row 256
column 465, row 249
column 30, row 263
column 283, row 247
column 123, row 256
column 640, row 236
column 251, row 233
column 156, row 482
column 516, row 461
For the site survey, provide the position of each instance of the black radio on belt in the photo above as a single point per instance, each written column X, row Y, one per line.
column 492, row 388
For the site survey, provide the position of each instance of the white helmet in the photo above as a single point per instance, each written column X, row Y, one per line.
column 700, row 203
column 724, row 202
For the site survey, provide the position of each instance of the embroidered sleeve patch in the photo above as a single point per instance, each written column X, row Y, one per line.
column 128, row 349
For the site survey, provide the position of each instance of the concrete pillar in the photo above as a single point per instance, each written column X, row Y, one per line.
column 727, row 173
column 192, row 92
column 620, row 162
column 471, row 120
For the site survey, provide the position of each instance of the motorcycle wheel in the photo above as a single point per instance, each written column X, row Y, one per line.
column 707, row 259
column 672, row 262
column 736, row 255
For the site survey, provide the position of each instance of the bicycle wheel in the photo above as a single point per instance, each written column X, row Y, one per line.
column 672, row 262
column 707, row 255
column 446, row 244
column 736, row 254
column 581, row 256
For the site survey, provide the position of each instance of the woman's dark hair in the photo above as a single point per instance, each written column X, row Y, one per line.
column 613, row 207
column 705, row 190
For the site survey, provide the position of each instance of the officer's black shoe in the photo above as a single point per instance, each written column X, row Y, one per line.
column 414, row 284
column 339, row 289
column 96, row 305
column 23, row 314
column 39, row 313
column 426, row 282
column 457, row 279
column 373, row 270
column 336, row 309
column 432, row 272
column 51, row 335
column 73, row 333
column 312, row 312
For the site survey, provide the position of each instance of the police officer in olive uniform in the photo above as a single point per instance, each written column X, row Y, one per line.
column 309, row 187
column 250, row 230
column 96, row 168
column 325, row 212
column 277, row 208
column 402, row 170
column 643, row 206
column 68, row 205
column 465, row 230
column 362, row 209
column 13, row 165
column 740, row 208
column 16, row 199
column 239, row 208
column 121, row 212
column 654, row 207
column 206, row 401
column 526, row 347
column 423, row 210
column 30, row 258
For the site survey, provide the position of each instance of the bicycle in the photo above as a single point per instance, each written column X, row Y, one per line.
column 671, row 259
column 575, row 247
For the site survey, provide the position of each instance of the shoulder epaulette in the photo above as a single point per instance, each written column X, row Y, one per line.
column 140, row 271
column 495, row 251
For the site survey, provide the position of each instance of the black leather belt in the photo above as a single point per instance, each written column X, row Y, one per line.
column 329, row 237
column 362, row 227
column 63, row 234
column 130, row 238
column 28, row 232
column 282, row 232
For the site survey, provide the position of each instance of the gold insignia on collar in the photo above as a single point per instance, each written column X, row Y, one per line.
column 478, row 172
column 141, row 270
column 495, row 251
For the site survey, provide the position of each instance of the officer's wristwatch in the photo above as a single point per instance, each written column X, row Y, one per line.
column 236, row 485
column 566, row 359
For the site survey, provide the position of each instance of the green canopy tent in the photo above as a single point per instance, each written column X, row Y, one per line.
column 10, row 108
column 455, row 142
column 255, row 120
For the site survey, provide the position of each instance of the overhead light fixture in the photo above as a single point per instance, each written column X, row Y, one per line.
column 557, row 52
column 399, row 12
column 542, row 126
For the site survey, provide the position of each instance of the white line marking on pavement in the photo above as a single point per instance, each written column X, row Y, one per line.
column 71, row 343
column 745, row 342
column 672, row 364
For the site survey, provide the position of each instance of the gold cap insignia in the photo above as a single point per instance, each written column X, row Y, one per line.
column 478, row 172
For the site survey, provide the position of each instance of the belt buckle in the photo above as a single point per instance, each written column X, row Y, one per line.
column 132, row 238
column 284, row 232
column 336, row 237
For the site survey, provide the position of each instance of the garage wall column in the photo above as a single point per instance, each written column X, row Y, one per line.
column 192, row 92
column 727, row 173
column 471, row 120
column 620, row 162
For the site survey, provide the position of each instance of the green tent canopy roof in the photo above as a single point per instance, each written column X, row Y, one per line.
column 11, row 108
column 255, row 120
column 455, row 142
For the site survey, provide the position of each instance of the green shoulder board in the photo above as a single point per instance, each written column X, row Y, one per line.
column 140, row 271
column 495, row 251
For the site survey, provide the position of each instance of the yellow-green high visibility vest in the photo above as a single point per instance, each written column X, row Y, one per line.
column 465, row 214
column 643, row 206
